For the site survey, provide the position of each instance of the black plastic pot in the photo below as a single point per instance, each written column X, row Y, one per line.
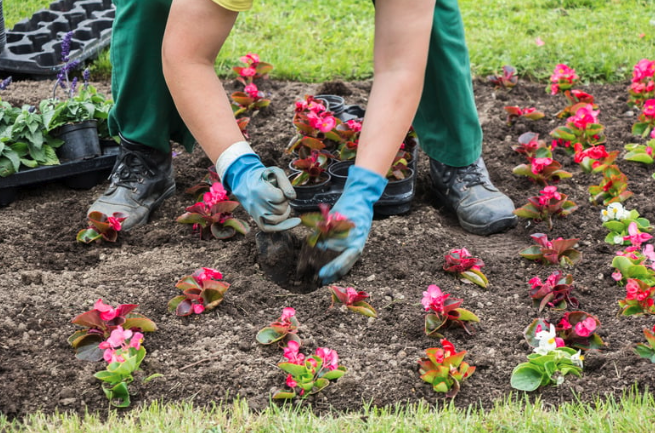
column 308, row 192
column 80, row 141
column 339, row 173
column 337, row 105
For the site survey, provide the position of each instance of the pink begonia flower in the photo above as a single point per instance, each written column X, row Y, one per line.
column 586, row 327
column 136, row 340
column 290, row 382
column 106, row 311
column 643, row 69
column 648, row 109
column 539, row 164
column 631, row 289
column 433, row 299
column 535, row 282
column 649, row 252
column 564, row 324
column 216, row 194
column 652, row 133
column 539, row 42
column 110, row 356
column 287, row 314
column 617, row 276
column 548, row 193
column 329, row 357
column 642, row 35
column 562, row 78
column 114, row 223
column 635, row 236
column 248, row 72
column 291, row 353
column 355, row 125
column 354, row 296
column 324, row 122
column 584, row 116
column 249, row 58
column 595, row 152
column 118, row 336
column 448, row 347
column 198, row 308
column 559, row 342
column 252, row 91
column 209, row 274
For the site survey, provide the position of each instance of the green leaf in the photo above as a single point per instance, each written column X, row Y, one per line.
column 268, row 335
column 294, row 370
column 466, row 315
column 283, row 395
column 363, row 308
column 86, row 348
column 118, row 395
column 526, row 377
column 135, row 320
column 87, row 236
column 335, row 374
column 476, row 277
column 433, row 323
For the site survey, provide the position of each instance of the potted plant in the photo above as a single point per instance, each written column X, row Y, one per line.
column 78, row 118
column 311, row 177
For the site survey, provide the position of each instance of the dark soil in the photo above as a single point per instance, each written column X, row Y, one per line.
column 47, row 278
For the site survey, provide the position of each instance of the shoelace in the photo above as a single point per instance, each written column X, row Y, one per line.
column 131, row 168
column 470, row 175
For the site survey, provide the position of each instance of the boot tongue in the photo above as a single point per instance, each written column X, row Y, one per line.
column 471, row 175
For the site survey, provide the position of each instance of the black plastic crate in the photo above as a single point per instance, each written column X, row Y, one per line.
column 33, row 46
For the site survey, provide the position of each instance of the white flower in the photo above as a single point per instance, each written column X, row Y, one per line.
column 615, row 211
column 547, row 342
column 577, row 358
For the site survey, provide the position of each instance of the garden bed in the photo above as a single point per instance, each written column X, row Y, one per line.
column 48, row 278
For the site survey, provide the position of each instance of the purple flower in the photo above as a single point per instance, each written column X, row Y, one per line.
column 32, row 109
column 5, row 83
column 86, row 75
column 66, row 46
column 73, row 85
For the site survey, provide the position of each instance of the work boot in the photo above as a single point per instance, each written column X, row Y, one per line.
column 141, row 180
column 480, row 207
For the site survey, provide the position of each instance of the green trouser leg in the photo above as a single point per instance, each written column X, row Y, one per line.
column 144, row 111
column 447, row 121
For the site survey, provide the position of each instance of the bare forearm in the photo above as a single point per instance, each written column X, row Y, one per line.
column 188, row 61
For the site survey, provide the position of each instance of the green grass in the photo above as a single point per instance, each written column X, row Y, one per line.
column 312, row 40
column 633, row 413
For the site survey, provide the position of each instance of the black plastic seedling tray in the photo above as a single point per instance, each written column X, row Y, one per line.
column 33, row 46
column 80, row 174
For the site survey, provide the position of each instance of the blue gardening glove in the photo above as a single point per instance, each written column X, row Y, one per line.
column 363, row 188
column 263, row 192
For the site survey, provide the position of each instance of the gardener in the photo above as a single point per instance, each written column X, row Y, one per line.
column 446, row 120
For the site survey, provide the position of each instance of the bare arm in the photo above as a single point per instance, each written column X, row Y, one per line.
column 402, row 32
column 195, row 33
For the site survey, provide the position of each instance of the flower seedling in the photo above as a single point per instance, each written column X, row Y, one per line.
column 101, row 227
column 507, row 80
column 582, row 127
column 311, row 169
column 546, row 369
column 242, row 123
column 398, row 169
column 642, row 85
column 124, row 353
column 326, row 225
column 529, row 145
column 349, row 132
column 631, row 264
column 466, row 267
column 284, row 329
column 640, row 152
column 444, row 368
column 254, row 69
column 550, row 203
column 515, row 112
column 308, row 375
column 558, row 251
column 613, row 188
column 638, row 299
column 212, row 217
column 316, row 128
column 575, row 329
column 646, row 120
column 577, row 99
column 202, row 291
column 353, row 300
column 618, row 221
column 563, row 78
column 251, row 100
column 594, row 159
column 647, row 350
column 444, row 311
column 98, row 325
column 543, row 169
column 554, row 293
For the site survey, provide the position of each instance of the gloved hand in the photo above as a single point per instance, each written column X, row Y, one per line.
column 263, row 192
column 363, row 188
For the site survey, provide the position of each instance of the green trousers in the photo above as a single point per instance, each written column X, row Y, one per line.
column 143, row 110
column 446, row 122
